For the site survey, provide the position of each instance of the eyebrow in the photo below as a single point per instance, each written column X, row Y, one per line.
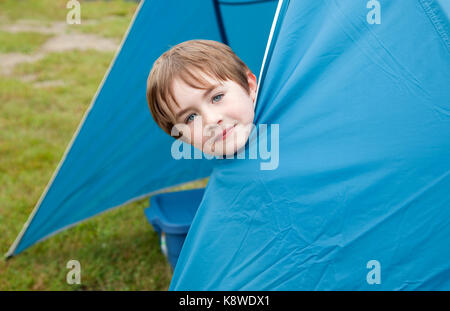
column 205, row 94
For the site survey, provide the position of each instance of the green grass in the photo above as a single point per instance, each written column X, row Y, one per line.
column 43, row 10
column 80, row 71
column 105, row 18
column 118, row 250
column 22, row 42
column 55, row 10
column 109, row 28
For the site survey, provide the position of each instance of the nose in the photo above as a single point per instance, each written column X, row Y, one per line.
column 212, row 119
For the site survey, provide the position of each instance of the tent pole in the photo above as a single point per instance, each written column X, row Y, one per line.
column 223, row 34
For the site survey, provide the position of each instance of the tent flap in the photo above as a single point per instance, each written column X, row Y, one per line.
column 359, row 199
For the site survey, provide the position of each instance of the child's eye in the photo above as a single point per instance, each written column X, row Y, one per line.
column 190, row 118
column 217, row 98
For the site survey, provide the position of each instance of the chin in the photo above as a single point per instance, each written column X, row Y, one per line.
column 229, row 146
column 228, row 149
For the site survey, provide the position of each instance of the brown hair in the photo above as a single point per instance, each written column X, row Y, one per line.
column 183, row 60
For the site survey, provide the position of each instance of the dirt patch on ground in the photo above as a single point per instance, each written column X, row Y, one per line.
column 65, row 42
column 35, row 26
column 9, row 60
column 61, row 41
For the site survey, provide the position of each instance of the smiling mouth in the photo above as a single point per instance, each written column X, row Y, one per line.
column 225, row 133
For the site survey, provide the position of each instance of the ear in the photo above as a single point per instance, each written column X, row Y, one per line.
column 252, row 84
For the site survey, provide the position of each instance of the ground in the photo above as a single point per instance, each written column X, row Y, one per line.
column 49, row 72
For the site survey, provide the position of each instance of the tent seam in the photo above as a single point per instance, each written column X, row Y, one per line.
column 438, row 24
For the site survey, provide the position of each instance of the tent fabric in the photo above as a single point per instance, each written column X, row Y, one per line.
column 119, row 154
column 360, row 198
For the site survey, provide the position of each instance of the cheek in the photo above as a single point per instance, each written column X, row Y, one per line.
column 245, row 113
column 189, row 136
column 242, row 108
column 197, row 139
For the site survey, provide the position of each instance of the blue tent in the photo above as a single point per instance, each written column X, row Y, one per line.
column 355, row 191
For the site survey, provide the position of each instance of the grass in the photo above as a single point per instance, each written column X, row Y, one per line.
column 46, row 11
column 117, row 250
column 23, row 42
column 109, row 28
column 105, row 18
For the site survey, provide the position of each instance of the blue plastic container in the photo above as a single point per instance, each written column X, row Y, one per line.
column 171, row 215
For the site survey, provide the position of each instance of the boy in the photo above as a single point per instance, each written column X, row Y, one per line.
column 201, row 92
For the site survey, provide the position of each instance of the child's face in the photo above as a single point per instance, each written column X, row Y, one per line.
column 206, row 114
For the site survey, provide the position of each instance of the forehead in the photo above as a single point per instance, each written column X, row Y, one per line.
column 182, row 90
column 189, row 89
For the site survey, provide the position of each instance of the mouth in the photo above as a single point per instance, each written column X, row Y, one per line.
column 225, row 133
